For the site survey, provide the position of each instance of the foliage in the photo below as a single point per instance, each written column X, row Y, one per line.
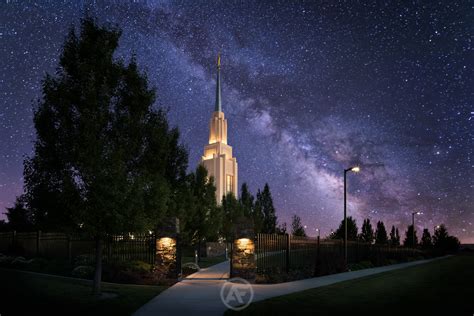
column 105, row 160
column 232, row 212
column 381, row 237
column 426, row 242
column 409, row 242
column 246, row 200
column 351, row 230
column 83, row 272
column 203, row 218
column 19, row 217
column 394, row 237
column 297, row 228
column 269, row 217
column 281, row 229
column 443, row 242
column 367, row 234
column 4, row 227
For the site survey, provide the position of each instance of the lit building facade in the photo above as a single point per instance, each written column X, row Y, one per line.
column 218, row 158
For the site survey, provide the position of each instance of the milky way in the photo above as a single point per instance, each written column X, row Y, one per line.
column 309, row 89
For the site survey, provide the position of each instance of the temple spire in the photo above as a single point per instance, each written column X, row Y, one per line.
column 218, row 107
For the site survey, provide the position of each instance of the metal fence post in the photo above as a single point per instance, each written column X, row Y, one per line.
column 38, row 243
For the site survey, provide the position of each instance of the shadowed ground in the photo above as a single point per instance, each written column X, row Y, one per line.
column 442, row 287
column 28, row 293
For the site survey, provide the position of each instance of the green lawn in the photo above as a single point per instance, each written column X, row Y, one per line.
column 437, row 288
column 24, row 293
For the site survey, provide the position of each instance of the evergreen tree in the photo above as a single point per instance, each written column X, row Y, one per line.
column 257, row 213
column 19, row 217
column 297, row 228
column 246, row 200
column 204, row 220
column 394, row 238
column 351, row 230
column 269, row 216
column 281, row 229
column 443, row 242
column 4, row 226
column 381, row 237
column 232, row 212
column 104, row 159
column 367, row 234
column 426, row 239
column 409, row 242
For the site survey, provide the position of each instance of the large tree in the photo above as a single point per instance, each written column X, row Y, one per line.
column 409, row 241
column 257, row 213
column 104, row 159
column 203, row 216
column 246, row 200
column 426, row 242
column 443, row 242
column 351, row 230
column 232, row 213
column 269, row 217
column 367, row 234
column 394, row 237
column 297, row 228
column 19, row 217
column 381, row 237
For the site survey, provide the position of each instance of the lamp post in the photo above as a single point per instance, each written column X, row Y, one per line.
column 413, row 226
column 319, row 232
column 353, row 169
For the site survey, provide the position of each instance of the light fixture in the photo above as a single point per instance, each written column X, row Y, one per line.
column 355, row 169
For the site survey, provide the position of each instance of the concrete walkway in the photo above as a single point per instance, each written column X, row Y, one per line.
column 199, row 294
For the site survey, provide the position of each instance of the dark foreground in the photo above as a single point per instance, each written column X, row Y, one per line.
column 444, row 287
column 26, row 293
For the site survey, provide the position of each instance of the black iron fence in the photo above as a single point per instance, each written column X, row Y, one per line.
column 63, row 246
column 285, row 253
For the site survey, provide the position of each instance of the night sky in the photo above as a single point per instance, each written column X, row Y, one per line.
column 309, row 88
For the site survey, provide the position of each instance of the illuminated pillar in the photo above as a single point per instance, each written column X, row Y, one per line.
column 167, row 251
column 243, row 264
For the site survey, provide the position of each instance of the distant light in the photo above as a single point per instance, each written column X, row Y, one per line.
column 355, row 169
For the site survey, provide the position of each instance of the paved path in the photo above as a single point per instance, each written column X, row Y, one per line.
column 199, row 294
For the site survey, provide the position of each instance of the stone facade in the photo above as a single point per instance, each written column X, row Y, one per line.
column 168, row 254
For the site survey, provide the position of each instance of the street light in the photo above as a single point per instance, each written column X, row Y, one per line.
column 413, row 225
column 353, row 169
column 319, row 232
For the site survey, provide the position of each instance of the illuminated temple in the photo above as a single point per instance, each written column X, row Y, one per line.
column 217, row 157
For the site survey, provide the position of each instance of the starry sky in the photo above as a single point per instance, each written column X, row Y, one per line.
column 308, row 87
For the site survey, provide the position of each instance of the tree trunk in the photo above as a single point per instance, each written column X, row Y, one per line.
column 98, row 266
column 199, row 249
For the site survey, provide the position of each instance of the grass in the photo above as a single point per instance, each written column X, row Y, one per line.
column 24, row 292
column 440, row 287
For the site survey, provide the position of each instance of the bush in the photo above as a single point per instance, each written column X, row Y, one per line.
column 83, row 272
column 84, row 260
column 37, row 264
column 5, row 261
column 19, row 262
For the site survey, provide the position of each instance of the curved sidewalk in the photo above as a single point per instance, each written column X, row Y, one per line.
column 199, row 294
